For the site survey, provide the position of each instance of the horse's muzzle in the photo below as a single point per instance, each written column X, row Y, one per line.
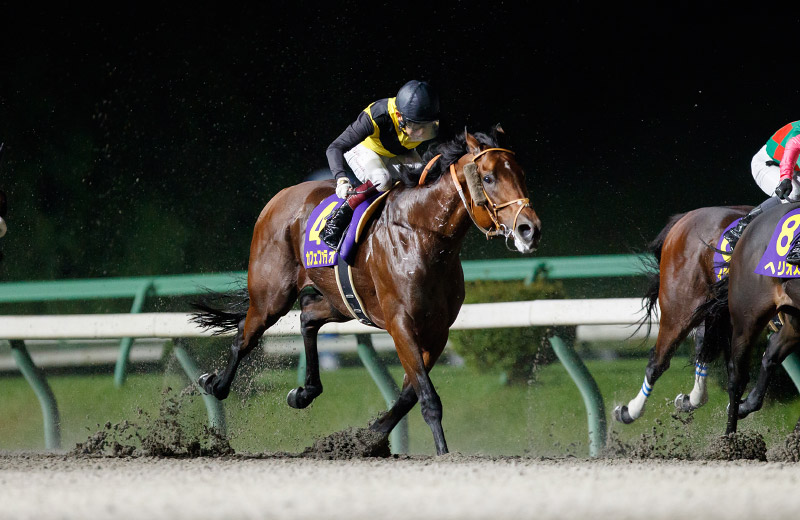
column 527, row 234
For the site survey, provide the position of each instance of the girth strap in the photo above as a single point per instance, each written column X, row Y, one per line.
column 347, row 289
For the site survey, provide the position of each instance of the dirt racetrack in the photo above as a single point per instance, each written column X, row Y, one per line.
column 40, row 486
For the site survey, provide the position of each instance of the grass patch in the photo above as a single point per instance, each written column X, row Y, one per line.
column 481, row 415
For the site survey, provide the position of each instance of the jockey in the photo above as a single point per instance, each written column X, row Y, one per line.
column 775, row 164
column 377, row 147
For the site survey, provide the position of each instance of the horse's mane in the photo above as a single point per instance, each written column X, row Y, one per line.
column 451, row 151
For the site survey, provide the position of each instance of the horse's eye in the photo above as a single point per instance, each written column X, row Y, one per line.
column 488, row 178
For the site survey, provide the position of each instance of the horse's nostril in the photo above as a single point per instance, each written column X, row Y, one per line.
column 524, row 231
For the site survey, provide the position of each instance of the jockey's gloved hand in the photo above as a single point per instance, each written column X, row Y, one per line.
column 343, row 186
column 784, row 189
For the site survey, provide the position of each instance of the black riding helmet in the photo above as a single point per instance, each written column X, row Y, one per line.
column 418, row 102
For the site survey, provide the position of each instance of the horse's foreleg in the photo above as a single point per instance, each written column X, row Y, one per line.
column 780, row 345
column 738, row 361
column 417, row 364
column 404, row 403
column 711, row 338
column 431, row 406
column 315, row 313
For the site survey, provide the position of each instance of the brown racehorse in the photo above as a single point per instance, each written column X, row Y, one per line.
column 683, row 251
column 752, row 300
column 407, row 271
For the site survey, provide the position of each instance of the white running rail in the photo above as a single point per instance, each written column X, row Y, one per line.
column 619, row 312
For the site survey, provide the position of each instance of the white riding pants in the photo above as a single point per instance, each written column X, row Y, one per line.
column 382, row 171
column 768, row 177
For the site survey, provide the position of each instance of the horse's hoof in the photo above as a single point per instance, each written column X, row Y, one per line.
column 621, row 415
column 295, row 400
column 203, row 382
column 684, row 404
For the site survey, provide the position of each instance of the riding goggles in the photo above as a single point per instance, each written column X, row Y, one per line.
column 418, row 132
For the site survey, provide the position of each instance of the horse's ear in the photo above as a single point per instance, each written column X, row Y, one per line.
column 473, row 146
column 499, row 135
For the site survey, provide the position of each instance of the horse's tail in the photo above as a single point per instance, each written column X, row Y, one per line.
column 651, row 268
column 716, row 306
column 716, row 315
column 221, row 311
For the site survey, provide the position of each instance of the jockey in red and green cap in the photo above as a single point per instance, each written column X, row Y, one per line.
column 775, row 169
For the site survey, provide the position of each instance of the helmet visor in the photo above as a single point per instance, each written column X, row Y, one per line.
column 422, row 131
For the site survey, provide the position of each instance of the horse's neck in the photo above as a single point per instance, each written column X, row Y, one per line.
column 436, row 210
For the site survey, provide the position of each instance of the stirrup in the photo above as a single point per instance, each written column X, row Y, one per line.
column 776, row 323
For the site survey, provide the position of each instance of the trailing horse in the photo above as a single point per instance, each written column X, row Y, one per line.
column 407, row 270
column 684, row 253
column 759, row 285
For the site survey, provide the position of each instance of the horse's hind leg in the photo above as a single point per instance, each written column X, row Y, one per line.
column 780, row 345
column 268, row 303
column 712, row 337
column 250, row 331
column 670, row 334
column 315, row 312
column 738, row 360
column 699, row 394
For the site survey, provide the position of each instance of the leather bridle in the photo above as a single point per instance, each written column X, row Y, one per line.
column 491, row 208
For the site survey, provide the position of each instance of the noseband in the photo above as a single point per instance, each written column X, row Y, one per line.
column 491, row 207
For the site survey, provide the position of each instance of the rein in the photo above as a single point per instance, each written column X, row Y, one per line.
column 491, row 208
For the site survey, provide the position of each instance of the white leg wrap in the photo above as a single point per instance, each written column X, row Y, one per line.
column 699, row 394
column 636, row 406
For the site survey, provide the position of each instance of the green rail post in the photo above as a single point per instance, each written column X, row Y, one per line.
column 121, row 369
column 792, row 366
column 366, row 351
column 595, row 410
column 47, row 400
column 214, row 407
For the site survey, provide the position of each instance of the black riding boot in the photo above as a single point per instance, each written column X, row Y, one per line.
column 793, row 256
column 735, row 233
column 334, row 228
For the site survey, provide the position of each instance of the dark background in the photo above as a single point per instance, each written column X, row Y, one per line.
column 146, row 140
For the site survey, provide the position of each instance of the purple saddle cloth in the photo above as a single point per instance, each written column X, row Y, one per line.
column 315, row 252
column 773, row 261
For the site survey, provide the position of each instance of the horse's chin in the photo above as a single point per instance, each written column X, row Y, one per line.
column 524, row 248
